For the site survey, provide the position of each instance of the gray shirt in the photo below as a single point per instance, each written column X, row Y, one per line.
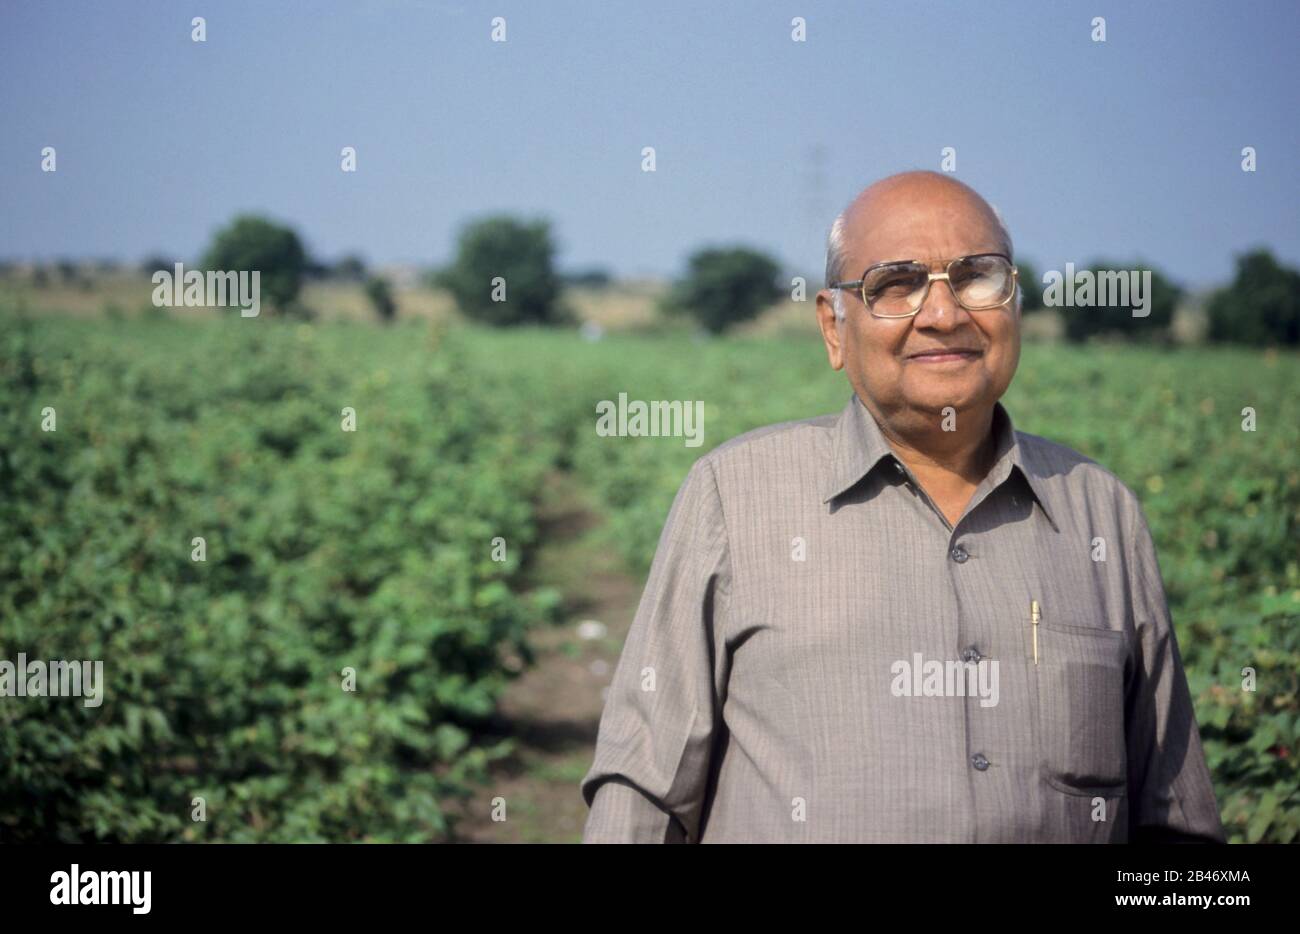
column 820, row 656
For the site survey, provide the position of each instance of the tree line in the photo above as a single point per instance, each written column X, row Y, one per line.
column 503, row 274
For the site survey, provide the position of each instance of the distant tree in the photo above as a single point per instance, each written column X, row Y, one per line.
column 1260, row 306
column 151, row 264
column 381, row 298
column 255, row 243
column 504, row 273
column 351, row 268
column 1117, row 319
column 315, row 271
column 594, row 277
column 724, row 286
column 1031, row 286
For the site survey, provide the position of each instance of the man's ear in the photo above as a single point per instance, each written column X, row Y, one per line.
column 830, row 329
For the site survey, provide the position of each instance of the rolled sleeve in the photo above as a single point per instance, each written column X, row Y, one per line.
column 1172, row 797
column 662, row 713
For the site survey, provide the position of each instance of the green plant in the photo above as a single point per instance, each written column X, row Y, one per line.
column 325, row 554
column 1260, row 306
column 381, row 298
column 1031, row 286
column 1116, row 318
column 273, row 250
column 725, row 286
column 504, row 273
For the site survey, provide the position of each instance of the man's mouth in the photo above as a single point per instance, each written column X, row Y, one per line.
column 944, row 355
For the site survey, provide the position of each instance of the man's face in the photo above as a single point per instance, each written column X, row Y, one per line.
column 944, row 355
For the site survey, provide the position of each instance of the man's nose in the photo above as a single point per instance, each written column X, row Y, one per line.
column 940, row 311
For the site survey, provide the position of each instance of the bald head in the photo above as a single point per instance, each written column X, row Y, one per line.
column 908, row 369
column 908, row 199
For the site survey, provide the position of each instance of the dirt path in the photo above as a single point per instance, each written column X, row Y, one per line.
column 553, row 709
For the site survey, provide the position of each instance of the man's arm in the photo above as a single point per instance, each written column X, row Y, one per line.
column 650, row 774
column 1170, row 793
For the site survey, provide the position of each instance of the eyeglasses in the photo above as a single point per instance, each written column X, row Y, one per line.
column 899, row 289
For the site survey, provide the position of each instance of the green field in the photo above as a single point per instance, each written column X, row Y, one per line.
column 373, row 549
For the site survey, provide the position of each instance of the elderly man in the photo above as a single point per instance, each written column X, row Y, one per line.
column 789, row 675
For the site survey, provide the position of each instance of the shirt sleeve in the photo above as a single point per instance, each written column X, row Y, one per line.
column 662, row 713
column 1170, row 792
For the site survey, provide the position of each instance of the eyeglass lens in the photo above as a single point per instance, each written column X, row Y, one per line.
column 900, row 288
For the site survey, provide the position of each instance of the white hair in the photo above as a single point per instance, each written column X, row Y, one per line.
column 837, row 302
column 835, row 260
column 1011, row 251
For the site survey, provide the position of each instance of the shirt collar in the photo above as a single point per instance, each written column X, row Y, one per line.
column 859, row 445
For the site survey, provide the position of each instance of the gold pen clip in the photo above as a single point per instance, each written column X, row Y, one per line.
column 1034, row 616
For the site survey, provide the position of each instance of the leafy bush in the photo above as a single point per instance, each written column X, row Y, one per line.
column 1261, row 306
column 725, row 286
column 381, row 299
column 255, row 243
column 1118, row 319
column 504, row 256
column 325, row 550
column 1031, row 287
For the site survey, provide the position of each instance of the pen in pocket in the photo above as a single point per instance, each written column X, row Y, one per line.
column 1034, row 616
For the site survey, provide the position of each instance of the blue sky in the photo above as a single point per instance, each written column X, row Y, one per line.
column 1128, row 148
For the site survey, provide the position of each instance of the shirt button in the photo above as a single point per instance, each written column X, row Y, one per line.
column 959, row 554
column 971, row 654
column 979, row 761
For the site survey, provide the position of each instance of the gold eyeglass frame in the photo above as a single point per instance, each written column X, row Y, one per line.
column 860, row 285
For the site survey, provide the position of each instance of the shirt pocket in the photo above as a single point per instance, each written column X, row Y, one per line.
column 1080, row 693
